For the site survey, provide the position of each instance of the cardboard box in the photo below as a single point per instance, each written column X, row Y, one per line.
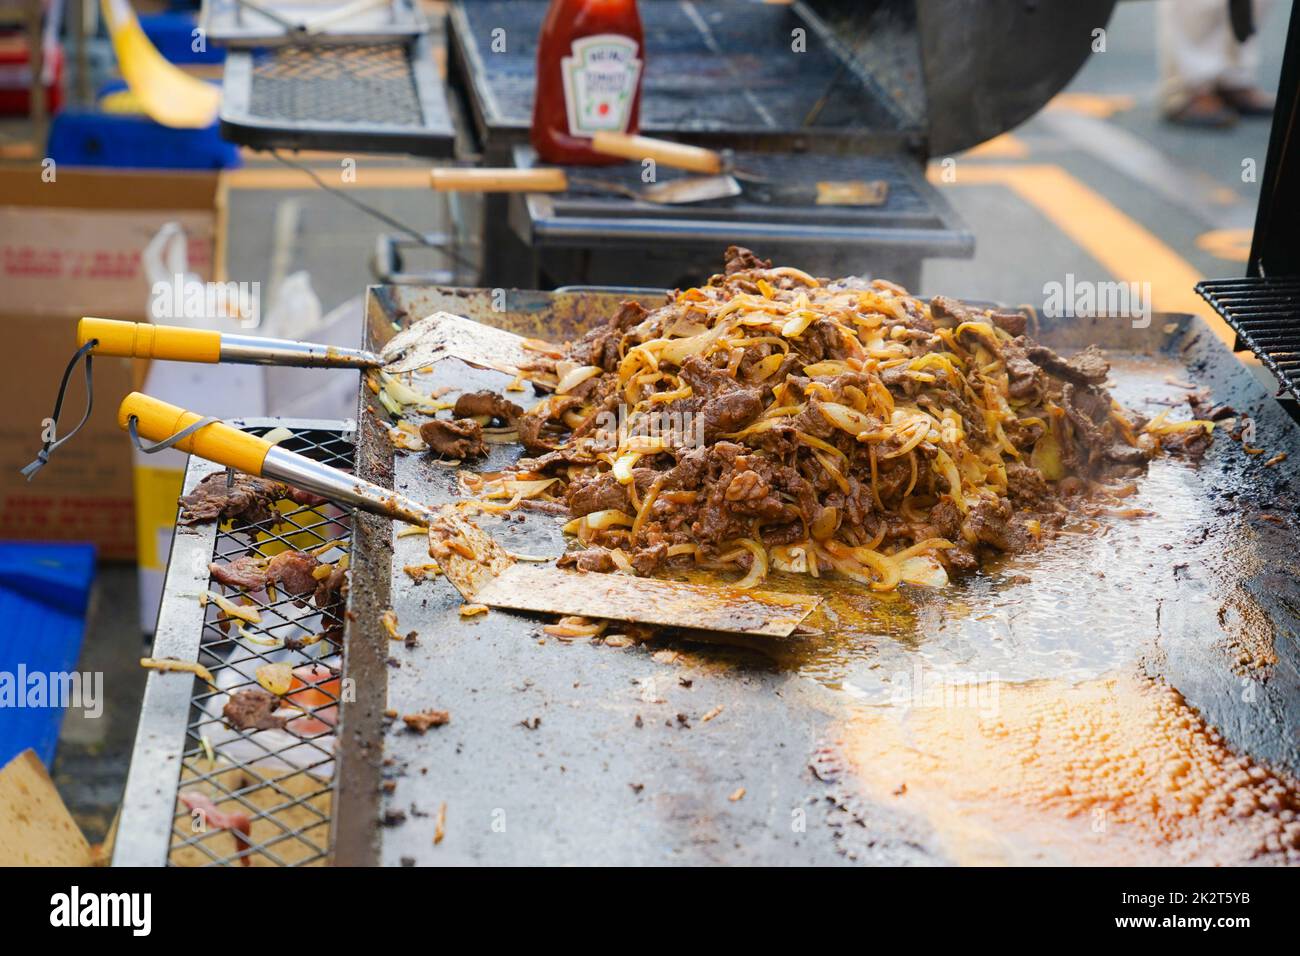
column 84, row 493
column 69, row 248
column 72, row 246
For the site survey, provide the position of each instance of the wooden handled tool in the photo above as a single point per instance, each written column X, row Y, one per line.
column 696, row 159
column 476, row 565
column 482, row 180
column 693, row 189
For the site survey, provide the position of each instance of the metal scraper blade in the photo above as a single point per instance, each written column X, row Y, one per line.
column 485, row 573
column 621, row 597
column 691, row 189
column 443, row 335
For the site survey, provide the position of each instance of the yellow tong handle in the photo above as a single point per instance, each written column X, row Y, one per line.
column 218, row 442
column 147, row 341
column 676, row 155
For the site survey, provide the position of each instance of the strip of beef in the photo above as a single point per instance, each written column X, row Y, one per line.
column 246, row 573
column 253, row 709
column 454, row 438
column 992, row 523
column 1088, row 367
column 1014, row 323
column 565, row 456
column 739, row 259
column 1025, row 380
column 601, row 346
column 724, row 405
column 597, row 492
column 592, row 559
column 1026, row 487
column 292, row 571
column 949, row 310
column 541, row 427
column 239, row 497
column 243, row 498
column 1189, row 442
column 488, row 403
column 332, row 589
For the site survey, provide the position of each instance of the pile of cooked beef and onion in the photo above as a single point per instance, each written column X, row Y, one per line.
column 773, row 420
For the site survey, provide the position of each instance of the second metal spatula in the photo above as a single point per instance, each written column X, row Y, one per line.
column 475, row 564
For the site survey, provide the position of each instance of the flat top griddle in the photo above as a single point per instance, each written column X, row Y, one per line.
column 721, row 73
column 580, row 753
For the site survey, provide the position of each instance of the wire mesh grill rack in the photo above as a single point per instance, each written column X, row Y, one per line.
column 347, row 84
column 200, row 792
column 1265, row 314
column 382, row 97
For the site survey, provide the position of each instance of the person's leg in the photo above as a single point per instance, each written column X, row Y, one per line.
column 1192, row 37
column 1238, row 82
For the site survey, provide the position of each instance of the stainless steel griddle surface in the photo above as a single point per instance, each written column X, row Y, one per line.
column 582, row 753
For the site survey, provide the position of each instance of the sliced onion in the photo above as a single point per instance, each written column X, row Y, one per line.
column 924, row 571
column 844, row 418
column 241, row 611
column 275, row 678
column 623, row 467
column 758, row 570
column 576, row 377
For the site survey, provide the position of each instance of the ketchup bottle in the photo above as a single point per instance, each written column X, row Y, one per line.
column 589, row 65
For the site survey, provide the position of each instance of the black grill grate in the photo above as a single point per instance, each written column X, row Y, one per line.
column 1265, row 314
column 282, row 780
column 720, row 67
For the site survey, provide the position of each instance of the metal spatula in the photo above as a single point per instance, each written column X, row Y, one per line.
column 435, row 337
column 476, row 565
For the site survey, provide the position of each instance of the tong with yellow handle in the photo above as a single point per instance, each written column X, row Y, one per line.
column 474, row 564
column 177, row 343
column 157, row 421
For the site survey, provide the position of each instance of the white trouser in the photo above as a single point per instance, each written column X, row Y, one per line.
column 1198, row 50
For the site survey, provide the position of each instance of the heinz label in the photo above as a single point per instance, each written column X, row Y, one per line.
column 600, row 81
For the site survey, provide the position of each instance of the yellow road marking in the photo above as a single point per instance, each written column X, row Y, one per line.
column 1005, row 146
column 1125, row 248
column 1098, row 105
column 1230, row 244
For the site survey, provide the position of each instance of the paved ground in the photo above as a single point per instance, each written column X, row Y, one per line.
column 1095, row 185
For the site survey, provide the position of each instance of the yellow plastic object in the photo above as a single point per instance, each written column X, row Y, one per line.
column 167, row 94
column 146, row 341
column 157, row 421
column 120, row 103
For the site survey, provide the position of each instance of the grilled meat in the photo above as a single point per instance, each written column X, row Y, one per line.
column 454, row 438
column 240, row 497
column 777, row 419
